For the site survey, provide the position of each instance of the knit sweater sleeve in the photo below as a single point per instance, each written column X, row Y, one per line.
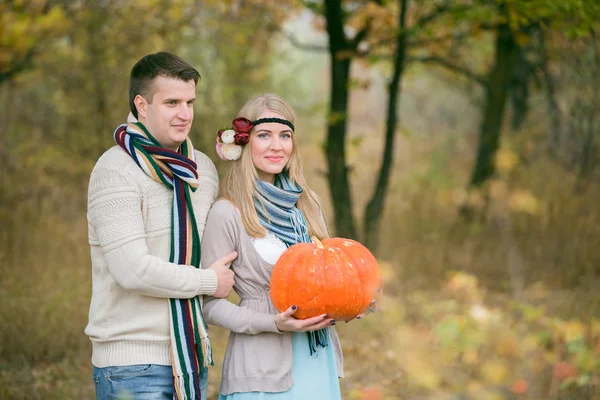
column 221, row 236
column 117, row 226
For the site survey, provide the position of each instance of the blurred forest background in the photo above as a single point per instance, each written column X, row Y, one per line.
column 459, row 140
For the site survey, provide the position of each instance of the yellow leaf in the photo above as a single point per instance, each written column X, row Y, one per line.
column 530, row 342
column 422, row 374
column 470, row 357
column 498, row 189
column 240, row 37
column 507, row 346
column 595, row 327
column 459, row 196
column 344, row 55
column 573, row 330
column 538, row 290
column 495, row 372
column 475, row 199
column 474, row 386
column 464, row 285
column 388, row 272
column 175, row 13
column 335, row 117
column 521, row 38
column 523, row 201
column 506, row 160
column 493, row 396
column 551, row 357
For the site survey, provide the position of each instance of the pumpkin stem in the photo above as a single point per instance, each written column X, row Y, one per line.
column 317, row 242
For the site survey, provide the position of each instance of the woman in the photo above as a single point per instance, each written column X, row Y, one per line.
column 266, row 207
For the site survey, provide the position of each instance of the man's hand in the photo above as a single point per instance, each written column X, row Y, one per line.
column 225, row 279
column 285, row 322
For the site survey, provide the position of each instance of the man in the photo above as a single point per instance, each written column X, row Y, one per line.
column 147, row 205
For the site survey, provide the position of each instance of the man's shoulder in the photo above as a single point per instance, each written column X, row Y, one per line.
column 205, row 166
column 114, row 158
column 114, row 167
column 202, row 160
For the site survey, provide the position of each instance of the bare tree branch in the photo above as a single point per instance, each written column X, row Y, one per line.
column 437, row 12
column 434, row 40
column 362, row 34
column 451, row 66
column 351, row 43
column 19, row 66
column 456, row 37
column 486, row 26
column 304, row 46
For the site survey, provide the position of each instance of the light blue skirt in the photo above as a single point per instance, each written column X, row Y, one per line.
column 315, row 377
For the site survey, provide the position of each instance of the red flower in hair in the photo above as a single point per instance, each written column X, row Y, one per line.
column 230, row 141
column 241, row 139
column 242, row 125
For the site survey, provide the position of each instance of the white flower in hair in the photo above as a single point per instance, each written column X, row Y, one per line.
column 231, row 151
column 227, row 136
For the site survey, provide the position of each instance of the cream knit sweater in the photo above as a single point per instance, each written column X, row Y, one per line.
column 129, row 221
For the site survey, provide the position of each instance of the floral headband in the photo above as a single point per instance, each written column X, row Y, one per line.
column 231, row 140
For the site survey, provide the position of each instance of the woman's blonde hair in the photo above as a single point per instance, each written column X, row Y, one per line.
column 238, row 184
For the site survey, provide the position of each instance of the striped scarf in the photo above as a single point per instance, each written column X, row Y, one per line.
column 277, row 212
column 190, row 346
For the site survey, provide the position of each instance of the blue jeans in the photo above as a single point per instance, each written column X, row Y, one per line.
column 137, row 382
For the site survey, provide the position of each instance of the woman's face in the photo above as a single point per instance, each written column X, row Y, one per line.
column 271, row 146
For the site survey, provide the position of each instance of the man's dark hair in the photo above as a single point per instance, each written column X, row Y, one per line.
column 153, row 65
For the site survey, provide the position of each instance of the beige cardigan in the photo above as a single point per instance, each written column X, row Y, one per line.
column 258, row 357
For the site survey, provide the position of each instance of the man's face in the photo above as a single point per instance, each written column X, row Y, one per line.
column 169, row 113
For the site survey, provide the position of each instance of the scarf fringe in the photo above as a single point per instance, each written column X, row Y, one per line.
column 206, row 350
column 187, row 383
column 300, row 228
column 318, row 338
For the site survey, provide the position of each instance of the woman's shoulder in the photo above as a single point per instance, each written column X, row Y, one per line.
column 223, row 207
column 224, row 210
column 224, row 218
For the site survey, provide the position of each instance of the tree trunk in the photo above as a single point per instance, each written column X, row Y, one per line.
column 96, row 50
column 374, row 209
column 337, row 120
column 495, row 101
column 555, row 128
column 589, row 148
column 519, row 91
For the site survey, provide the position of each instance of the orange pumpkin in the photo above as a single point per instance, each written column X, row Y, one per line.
column 338, row 277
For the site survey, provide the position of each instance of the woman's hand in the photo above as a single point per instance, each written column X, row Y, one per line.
column 285, row 322
column 371, row 309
